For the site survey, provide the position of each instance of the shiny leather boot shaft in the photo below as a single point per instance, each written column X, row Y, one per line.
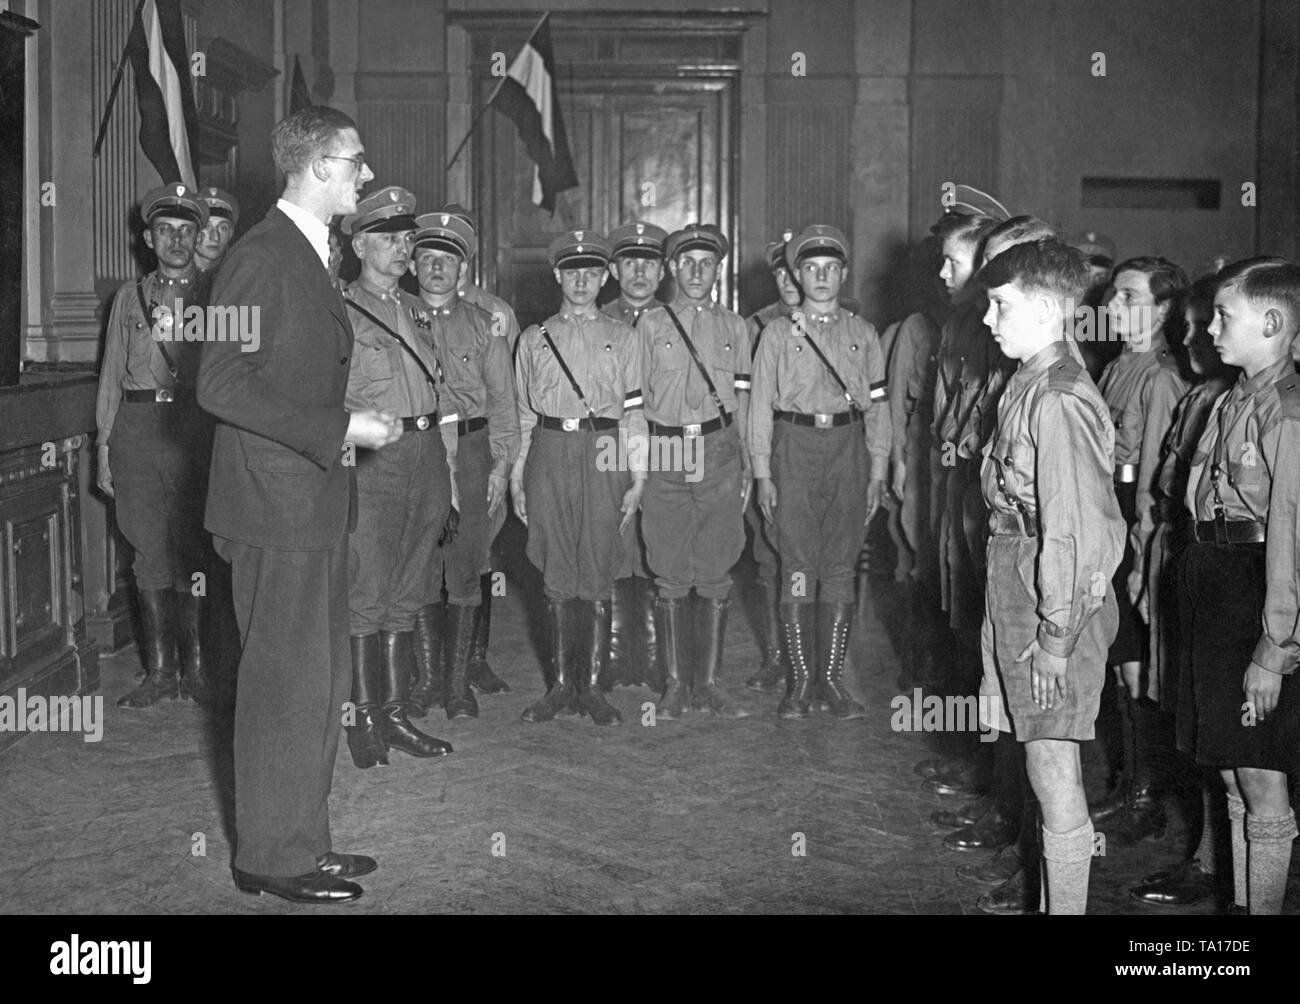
column 366, row 734
column 396, row 678
column 157, row 651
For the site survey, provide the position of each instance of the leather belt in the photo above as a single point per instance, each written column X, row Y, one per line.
column 420, row 423
column 161, row 396
column 1014, row 524
column 574, row 424
column 467, row 425
column 1222, row 531
column 690, row 431
column 1126, row 474
column 820, row 421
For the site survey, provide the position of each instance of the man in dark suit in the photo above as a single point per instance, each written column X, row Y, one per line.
column 278, row 510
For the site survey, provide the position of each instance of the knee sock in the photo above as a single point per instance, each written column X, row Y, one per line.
column 1268, row 840
column 1237, row 830
column 1067, row 859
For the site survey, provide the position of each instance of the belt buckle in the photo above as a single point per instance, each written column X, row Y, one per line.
column 570, row 424
column 422, row 422
column 823, row 421
column 163, row 395
column 691, row 431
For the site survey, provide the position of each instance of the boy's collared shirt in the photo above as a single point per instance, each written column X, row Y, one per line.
column 675, row 391
column 621, row 310
column 911, row 372
column 789, row 376
column 1050, row 460
column 1184, row 438
column 1254, row 452
column 603, row 354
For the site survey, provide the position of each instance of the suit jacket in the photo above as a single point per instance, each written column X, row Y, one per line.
column 277, row 477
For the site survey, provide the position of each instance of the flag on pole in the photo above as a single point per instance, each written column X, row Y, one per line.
column 164, row 92
column 527, row 95
column 299, row 95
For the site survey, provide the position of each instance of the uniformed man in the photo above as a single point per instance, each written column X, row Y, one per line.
column 638, row 268
column 480, row 390
column 820, row 440
column 1240, row 578
column 1193, row 878
column 772, row 671
column 1142, row 386
column 215, row 237
column 153, row 445
column 504, row 325
column 404, row 490
column 695, row 363
column 578, row 381
column 1056, row 539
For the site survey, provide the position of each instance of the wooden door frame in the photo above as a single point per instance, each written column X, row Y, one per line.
column 714, row 51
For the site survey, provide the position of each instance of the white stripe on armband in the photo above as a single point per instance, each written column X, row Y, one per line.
column 877, row 391
column 635, row 401
column 743, row 382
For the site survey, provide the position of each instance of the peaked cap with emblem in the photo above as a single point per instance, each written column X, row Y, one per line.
column 638, row 240
column 1093, row 244
column 579, row 249
column 818, row 240
column 220, row 203
column 699, row 237
column 177, row 200
column 389, row 210
column 971, row 201
column 774, row 251
column 459, row 211
column 444, row 232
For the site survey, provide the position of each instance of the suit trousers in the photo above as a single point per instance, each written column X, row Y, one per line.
column 294, row 675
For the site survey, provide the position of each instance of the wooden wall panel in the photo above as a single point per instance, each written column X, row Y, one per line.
column 807, row 166
column 404, row 146
column 115, row 181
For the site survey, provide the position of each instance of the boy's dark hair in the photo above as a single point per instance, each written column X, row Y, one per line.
column 1049, row 265
column 1200, row 294
column 1020, row 229
column 969, row 227
column 1167, row 280
column 308, row 133
column 1267, row 280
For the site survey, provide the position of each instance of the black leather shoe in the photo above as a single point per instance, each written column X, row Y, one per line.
column 992, row 833
column 314, row 887
column 996, row 870
column 1108, row 804
column 964, row 781
column 1141, row 817
column 1017, row 896
column 345, row 866
column 968, row 815
column 940, row 765
column 1182, row 885
column 395, row 682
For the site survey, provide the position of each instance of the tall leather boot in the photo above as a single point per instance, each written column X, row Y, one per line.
column 620, row 669
column 710, row 632
column 561, row 699
column 833, row 623
column 673, row 702
column 460, row 631
column 158, row 651
column 653, row 674
column 399, row 733
column 798, row 627
column 366, row 737
column 771, row 672
column 430, row 689
column 591, row 700
column 195, row 685
column 480, row 674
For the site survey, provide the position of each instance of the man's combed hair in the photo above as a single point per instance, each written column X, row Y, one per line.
column 1266, row 281
column 1020, row 229
column 969, row 227
column 1167, row 280
column 305, row 135
column 1048, row 265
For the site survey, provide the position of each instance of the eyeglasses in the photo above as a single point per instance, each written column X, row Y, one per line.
column 358, row 162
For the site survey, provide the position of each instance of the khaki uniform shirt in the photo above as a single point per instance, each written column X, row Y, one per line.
column 911, row 365
column 1248, row 463
column 1050, row 458
column 788, row 376
column 675, row 391
column 621, row 310
column 382, row 376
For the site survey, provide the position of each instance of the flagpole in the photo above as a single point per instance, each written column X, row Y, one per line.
column 500, row 83
column 117, row 81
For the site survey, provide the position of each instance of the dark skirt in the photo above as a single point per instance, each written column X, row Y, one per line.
column 1221, row 599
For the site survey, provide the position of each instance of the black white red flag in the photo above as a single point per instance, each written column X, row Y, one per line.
column 528, row 96
column 164, row 91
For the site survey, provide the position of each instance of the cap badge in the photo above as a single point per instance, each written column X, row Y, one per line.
column 640, row 228
column 577, row 235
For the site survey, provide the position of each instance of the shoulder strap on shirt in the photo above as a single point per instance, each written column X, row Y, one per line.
column 690, row 347
column 807, row 334
column 1288, row 392
column 433, row 381
column 148, row 320
column 568, row 373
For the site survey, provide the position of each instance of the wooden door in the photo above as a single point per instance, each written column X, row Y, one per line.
column 653, row 149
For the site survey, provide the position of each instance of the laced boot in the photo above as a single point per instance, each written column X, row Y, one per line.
column 158, row 651
column 460, row 635
column 798, row 628
column 833, row 623
column 395, row 680
column 561, row 698
column 591, row 700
